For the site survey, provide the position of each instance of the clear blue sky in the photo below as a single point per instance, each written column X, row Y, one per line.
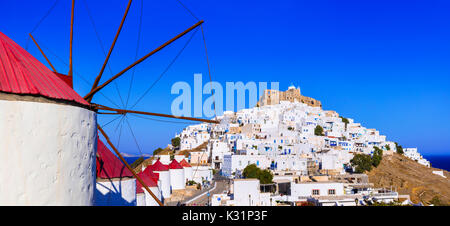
column 384, row 63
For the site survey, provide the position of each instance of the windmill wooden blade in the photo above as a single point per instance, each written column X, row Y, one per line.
column 97, row 79
column 71, row 39
column 42, row 52
column 90, row 94
column 125, row 111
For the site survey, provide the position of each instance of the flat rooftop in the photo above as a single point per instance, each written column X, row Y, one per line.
column 246, row 179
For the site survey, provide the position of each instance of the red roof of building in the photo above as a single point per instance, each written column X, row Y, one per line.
column 108, row 165
column 158, row 166
column 175, row 165
column 150, row 179
column 149, row 171
column 21, row 73
column 183, row 163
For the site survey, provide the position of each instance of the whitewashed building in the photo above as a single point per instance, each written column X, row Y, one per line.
column 413, row 154
column 247, row 193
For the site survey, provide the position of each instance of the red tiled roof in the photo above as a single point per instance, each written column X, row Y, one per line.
column 21, row 73
column 150, row 179
column 149, row 171
column 175, row 165
column 108, row 165
column 183, row 163
column 158, row 166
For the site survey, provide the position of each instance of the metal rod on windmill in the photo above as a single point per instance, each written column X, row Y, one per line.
column 129, row 167
column 97, row 79
column 71, row 39
column 90, row 94
column 124, row 111
column 42, row 52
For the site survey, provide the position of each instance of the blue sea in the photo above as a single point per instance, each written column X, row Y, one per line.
column 439, row 161
column 130, row 160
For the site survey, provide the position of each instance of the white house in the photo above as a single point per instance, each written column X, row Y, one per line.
column 201, row 174
column 188, row 173
column 300, row 190
column 239, row 162
column 413, row 154
column 247, row 193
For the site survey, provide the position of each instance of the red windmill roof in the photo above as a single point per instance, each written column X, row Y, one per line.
column 150, row 179
column 183, row 163
column 149, row 171
column 21, row 73
column 108, row 165
column 158, row 166
column 175, row 165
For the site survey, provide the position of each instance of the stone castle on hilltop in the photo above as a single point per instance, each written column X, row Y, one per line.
column 272, row 97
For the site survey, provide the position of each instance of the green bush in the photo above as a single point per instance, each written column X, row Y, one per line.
column 176, row 142
column 436, row 201
column 318, row 131
column 137, row 162
column 377, row 156
column 362, row 163
column 265, row 177
column 345, row 120
column 157, row 151
column 252, row 171
column 399, row 148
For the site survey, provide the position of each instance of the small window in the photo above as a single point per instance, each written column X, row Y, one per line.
column 331, row 192
column 315, row 192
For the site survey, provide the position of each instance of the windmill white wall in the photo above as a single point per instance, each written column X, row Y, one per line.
column 177, row 180
column 149, row 200
column 187, row 173
column 50, row 150
column 140, row 199
column 164, row 177
column 115, row 192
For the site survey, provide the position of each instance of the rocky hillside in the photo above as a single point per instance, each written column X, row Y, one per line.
column 201, row 147
column 411, row 178
column 168, row 151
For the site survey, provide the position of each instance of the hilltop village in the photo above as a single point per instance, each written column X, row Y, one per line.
column 307, row 151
